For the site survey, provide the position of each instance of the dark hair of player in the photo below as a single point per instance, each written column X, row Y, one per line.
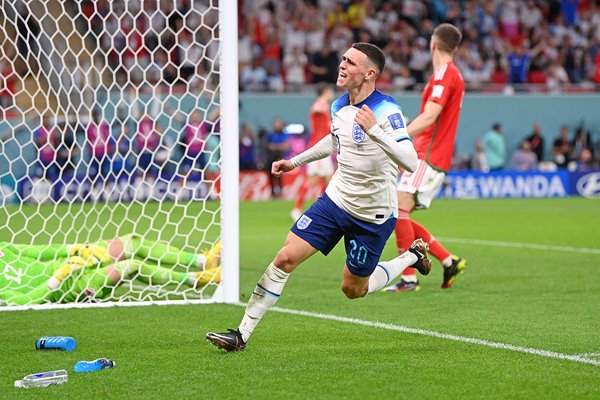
column 373, row 53
column 448, row 37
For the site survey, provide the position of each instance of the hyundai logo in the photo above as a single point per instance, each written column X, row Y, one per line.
column 589, row 185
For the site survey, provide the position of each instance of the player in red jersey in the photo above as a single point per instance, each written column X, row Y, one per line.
column 434, row 131
column 318, row 172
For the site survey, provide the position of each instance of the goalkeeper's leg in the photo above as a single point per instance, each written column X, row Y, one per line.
column 164, row 253
column 156, row 276
column 43, row 252
column 37, row 295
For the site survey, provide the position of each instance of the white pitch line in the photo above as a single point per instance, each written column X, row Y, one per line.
column 589, row 355
column 532, row 246
column 538, row 352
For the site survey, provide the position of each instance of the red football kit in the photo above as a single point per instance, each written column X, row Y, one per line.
column 320, row 123
column 435, row 144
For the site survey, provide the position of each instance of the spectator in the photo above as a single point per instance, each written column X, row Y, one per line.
column 404, row 80
column 147, row 140
column 596, row 68
column 419, row 59
column 254, row 77
column 523, row 159
column 324, row 65
column 99, row 146
column 66, row 151
column 477, row 73
column 561, row 149
column 245, row 48
column 194, row 142
column 189, row 54
column 272, row 53
column 519, row 60
column 277, row 147
column 212, row 171
column 337, row 16
column 121, row 163
column 557, row 77
column 295, row 63
column 247, row 148
column 356, row 12
column 8, row 81
column 478, row 160
column 163, row 155
column 573, row 55
column 531, row 15
column 586, row 162
column 581, row 142
column 536, row 141
column 44, row 139
column 494, row 148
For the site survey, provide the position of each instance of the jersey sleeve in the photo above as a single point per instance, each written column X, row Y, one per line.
column 391, row 135
column 391, row 120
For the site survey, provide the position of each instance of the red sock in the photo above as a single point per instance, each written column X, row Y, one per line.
column 301, row 194
column 405, row 235
column 435, row 248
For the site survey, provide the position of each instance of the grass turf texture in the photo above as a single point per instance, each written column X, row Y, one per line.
column 543, row 299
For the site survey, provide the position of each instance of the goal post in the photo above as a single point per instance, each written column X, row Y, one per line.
column 230, row 147
column 118, row 120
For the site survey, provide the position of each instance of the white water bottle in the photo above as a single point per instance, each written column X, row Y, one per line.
column 43, row 379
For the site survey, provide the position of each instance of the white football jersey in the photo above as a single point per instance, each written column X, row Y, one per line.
column 364, row 184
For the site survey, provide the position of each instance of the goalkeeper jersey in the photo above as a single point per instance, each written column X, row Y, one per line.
column 23, row 267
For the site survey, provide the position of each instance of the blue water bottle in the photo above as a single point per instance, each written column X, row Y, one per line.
column 56, row 342
column 96, row 365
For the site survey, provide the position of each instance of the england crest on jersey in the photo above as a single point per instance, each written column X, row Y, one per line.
column 357, row 133
column 303, row 222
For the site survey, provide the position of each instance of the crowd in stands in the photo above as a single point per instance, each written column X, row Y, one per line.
column 164, row 42
column 129, row 148
column 284, row 45
column 573, row 151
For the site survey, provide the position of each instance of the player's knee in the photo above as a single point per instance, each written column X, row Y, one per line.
column 284, row 261
column 353, row 292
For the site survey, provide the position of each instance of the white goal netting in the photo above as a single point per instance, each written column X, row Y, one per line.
column 110, row 152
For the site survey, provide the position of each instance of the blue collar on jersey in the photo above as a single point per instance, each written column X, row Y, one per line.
column 372, row 100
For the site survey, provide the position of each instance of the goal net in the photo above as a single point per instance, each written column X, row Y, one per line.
column 118, row 173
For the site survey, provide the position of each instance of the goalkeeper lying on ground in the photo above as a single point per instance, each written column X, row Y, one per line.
column 37, row 274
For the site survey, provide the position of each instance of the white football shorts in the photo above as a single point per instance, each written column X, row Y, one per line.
column 424, row 183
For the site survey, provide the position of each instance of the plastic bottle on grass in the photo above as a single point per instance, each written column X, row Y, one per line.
column 43, row 379
column 96, row 365
column 56, row 342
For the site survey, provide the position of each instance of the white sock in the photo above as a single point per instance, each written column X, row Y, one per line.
column 265, row 295
column 447, row 262
column 201, row 261
column 387, row 271
column 410, row 278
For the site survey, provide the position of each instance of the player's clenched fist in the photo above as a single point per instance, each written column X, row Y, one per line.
column 280, row 167
column 365, row 118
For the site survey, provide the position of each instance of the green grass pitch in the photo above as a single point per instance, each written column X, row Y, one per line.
column 536, row 298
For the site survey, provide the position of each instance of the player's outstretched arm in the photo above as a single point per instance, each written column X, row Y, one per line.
column 323, row 148
column 281, row 167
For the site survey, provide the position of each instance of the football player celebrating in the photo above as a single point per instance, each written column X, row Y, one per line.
column 359, row 204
